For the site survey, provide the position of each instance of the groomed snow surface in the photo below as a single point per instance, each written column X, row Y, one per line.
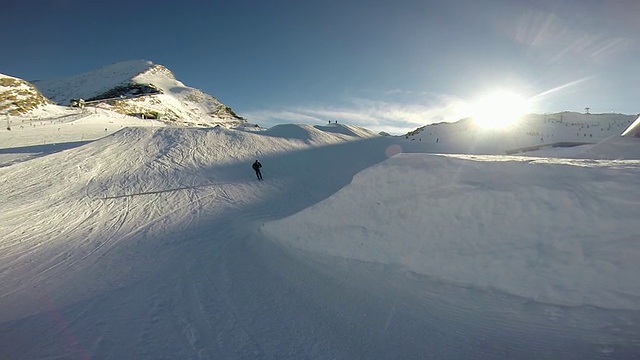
column 160, row 243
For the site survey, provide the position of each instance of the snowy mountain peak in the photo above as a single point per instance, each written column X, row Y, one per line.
column 155, row 70
column 143, row 89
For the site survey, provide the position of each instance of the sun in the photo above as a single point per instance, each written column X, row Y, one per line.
column 499, row 109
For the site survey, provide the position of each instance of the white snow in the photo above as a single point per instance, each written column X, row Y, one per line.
column 315, row 133
column 532, row 131
column 35, row 135
column 555, row 231
column 7, row 88
column 92, row 83
column 158, row 242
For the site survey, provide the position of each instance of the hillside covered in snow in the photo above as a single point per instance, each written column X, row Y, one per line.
column 122, row 237
column 20, row 98
column 142, row 89
column 532, row 132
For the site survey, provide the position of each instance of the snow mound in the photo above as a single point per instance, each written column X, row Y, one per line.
column 349, row 130
column 556, row 231
column 309, row 133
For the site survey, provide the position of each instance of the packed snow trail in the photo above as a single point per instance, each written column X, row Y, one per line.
column 110, row 228
column 146, row 244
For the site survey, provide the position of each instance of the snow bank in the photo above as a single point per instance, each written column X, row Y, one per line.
column 556, row 231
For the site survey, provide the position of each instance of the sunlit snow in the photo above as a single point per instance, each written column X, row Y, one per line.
column 124, row 238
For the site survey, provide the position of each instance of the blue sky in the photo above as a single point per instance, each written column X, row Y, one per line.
column 388, row 65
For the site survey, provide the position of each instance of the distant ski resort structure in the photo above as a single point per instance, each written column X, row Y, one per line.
column 134, row 227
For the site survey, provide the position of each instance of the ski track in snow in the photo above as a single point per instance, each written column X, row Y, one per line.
column 146, row 244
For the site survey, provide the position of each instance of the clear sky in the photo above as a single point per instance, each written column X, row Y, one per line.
column 388, row 65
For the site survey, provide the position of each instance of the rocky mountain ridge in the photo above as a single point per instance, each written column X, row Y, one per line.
column 142, row 89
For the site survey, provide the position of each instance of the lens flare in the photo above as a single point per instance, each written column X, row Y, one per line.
column 499, row 109
column 393, row 150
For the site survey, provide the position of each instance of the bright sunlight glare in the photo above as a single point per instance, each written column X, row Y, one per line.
column 499, row 109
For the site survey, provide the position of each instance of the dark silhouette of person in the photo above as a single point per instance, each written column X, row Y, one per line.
column 256, row 167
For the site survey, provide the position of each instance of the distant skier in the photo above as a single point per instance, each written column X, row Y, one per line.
column 256, row 167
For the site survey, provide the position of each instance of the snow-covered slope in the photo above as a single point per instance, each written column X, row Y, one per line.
column 20, row 98
column 50, row 128
column 33, row 135
column 144, row 89
column 315, row 133
column 147, row 244
column 90, row 196
column 531, row 132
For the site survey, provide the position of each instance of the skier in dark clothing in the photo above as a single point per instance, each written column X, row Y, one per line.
column 256, row 167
